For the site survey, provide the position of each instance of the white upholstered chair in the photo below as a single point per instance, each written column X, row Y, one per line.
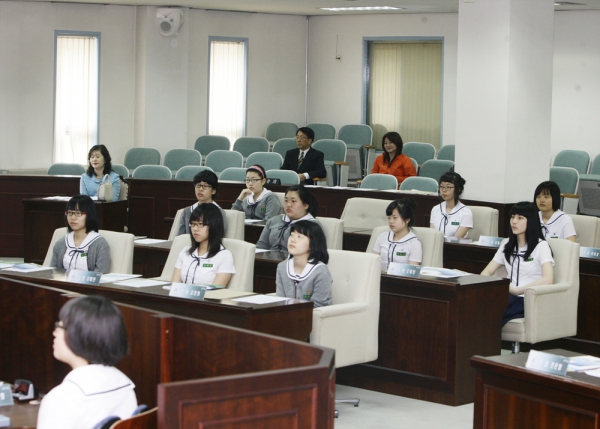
column 243, row 260
column 485, row 222
column 550, row 310
column 432, row 242
column 121, row 249
column 235, row 224
column 350, row 324
column 281, row 196
column 588, row 230
column 175, row 226
column 365, row 213
column 334, row 231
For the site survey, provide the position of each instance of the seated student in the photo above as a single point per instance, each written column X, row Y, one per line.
column 305, row 275
column 307, row 162
column 99, row 165
column 399, row 244
column 555, row 222
column 206, row 184
column 392, row 160
column 526, row 256
column 298, row 205
column 451, row 216
column 255, row 201
column 91, row 338
column 82, row 248
column 206, row 261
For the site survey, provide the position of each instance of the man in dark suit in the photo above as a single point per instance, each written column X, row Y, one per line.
column 305, row 161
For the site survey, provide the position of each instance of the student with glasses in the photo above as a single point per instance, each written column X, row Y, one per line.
column 206, row 185
column 205, row 261
column 451, row 216
column 255, row 201
column 82, row 248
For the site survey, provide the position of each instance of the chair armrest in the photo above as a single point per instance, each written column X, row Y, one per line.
column 339, row 309
column 367, row 146
column 547, row 289
column 341, row 163
column 569, row 195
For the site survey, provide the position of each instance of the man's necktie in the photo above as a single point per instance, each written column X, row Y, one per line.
column 300, row 159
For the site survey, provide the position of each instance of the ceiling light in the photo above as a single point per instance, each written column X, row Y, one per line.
column 347, row 9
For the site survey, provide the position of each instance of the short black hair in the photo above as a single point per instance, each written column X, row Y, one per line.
column 316, row 237
column 83, row 203
column 210, row 215
column 457, row 181
column 395, row 138
column 107, row 159
column 257, row 168
column 405, row 207
column 94, row 329
column 306, row 198
column 209, row 177
column 533, row 234
column 549, row 188
column 308, row 132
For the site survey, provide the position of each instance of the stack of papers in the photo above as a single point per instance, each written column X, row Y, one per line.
column 27, row 268
column 261, row 299
column 150, row 241
column 443, row 273
column 141, row 283
column 116, row 277
column 584, row 363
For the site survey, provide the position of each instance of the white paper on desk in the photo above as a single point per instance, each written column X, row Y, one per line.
column 225, row 294
column 27, row 268
column 262, row 250
column 593, row 373
column 58, row 198
column 253, row 220
column 363, row 189
column 150, row 241
column 141, row 283
column 3, row 265
column 443, row 273
column 583, row 363
column 260, row 299
column 116, row 277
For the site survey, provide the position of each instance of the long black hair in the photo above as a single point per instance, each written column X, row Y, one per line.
column 107, row 160
column 395, row 138
column 317, row 241
column 533, row 233
column 306, row 198
column 405, row 207
column 211, row 216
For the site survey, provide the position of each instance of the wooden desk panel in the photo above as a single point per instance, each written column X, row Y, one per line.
column 507, row 395
column 428, row 330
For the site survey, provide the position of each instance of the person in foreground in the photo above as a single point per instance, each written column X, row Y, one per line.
column 99, row 165
column 307, row 162
column 91, row 338
column 526, row 256
column 82, row 248
column 255, row 201
column 206, row 185
column 555, row 222
column 305, row 275
column 392, row 160
column 399, row 244
column 205, row 261
column 299, row 204
column 451, row 216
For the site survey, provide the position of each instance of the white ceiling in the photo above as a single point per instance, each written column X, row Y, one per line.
column 311, row 7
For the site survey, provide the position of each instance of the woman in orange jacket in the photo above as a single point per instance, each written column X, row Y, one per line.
column 392, row 161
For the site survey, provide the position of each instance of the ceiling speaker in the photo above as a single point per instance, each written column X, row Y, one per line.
column 169, row 21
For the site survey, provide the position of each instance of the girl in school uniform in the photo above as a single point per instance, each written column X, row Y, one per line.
column 392, row 160
column 298, row 205
column 255, row 201
column 205, row 261
column 99, row 165
column 399, row 244
column 451, row 216
column 82, row 248
column 91, row 338
column 525, row 255
column 555, row 223
column 305, row 275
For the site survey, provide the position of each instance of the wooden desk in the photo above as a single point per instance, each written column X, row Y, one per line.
column 272, row 319
column 507, row 395
column 42, row 217
column 213, row 374
column 149, row 259
column 21, row 415
column 428, row 330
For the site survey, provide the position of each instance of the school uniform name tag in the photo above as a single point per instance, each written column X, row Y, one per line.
column 5, row 395
column 84, row 277
column 486, row 240
column 589, row 252
column 548, row 363
column 188, row 291
column 404, row 270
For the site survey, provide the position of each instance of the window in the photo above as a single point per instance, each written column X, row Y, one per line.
column 76, row 80
column 227, row 88
column 404, row 90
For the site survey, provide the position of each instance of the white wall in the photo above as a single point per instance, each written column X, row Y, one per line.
column 335, row 87
column 576, row 87
column 27, row 76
